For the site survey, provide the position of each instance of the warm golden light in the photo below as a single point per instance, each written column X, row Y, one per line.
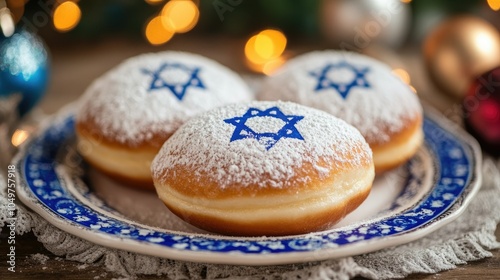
column 269, row 44
column 278, row 39
column 405, row 77
column 156, row 32
column 264, row 51
column 66, row 16
column 268, row 68
column 153, row 2
column 402, row 74
column 180, row 15
column 256, row 67
column 484, row 42
column 250, row 51
column 264, row 46
column 19, row 137
column 406, row 1
column 271, row 66
column 494, row 4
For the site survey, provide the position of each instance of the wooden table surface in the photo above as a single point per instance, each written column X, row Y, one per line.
column 75, row 67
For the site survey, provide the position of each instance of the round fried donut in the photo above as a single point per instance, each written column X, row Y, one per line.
column 128, row 113
column 360, row 90
column 264, row 168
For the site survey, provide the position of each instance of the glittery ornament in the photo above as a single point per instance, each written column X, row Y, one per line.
column 482, row 110
column 459, row 50
column 24, row 68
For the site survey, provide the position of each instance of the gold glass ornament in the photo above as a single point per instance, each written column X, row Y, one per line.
column 459, row 50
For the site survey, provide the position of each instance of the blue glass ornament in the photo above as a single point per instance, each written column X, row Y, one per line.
column 24, row 68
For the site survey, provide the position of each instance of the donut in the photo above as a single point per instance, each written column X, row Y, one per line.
column 263, row 168
column 127, row 114
column 360, row 90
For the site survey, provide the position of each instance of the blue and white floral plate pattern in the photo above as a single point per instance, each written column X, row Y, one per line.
column 436, row 186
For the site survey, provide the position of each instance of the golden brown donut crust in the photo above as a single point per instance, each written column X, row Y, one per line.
column 177, row 177
column 315, row 222
column 90, row 128
column 308, row 221
column 83, row 132
column 400, row 138
column 243, row 188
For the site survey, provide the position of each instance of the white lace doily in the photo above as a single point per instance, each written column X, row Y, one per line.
column 468, row 238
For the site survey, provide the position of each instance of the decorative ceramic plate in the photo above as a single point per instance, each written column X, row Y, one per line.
column 429, row 191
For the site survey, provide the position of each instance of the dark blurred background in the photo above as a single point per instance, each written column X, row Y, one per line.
column 338, row 24
column 83, row 20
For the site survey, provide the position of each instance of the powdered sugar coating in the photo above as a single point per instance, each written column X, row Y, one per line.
column 124, row 109
column 379, row 110
column 204, row 145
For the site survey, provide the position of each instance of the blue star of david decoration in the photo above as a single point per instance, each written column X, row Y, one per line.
column 268, row 139
column 342, row 88
column 177, row 89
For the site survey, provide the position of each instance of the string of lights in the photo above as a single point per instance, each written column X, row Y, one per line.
column 265, row 51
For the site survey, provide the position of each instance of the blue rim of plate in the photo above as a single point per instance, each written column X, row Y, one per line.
column 456, row 180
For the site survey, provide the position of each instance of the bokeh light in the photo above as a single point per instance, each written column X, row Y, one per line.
column 402, row 74
column 180, row 15
column 66, row 16
column 405, row 77
column 251, row 51
column 268, row 67
column 271, row 66
column 494, row 4
column 264, row 51
column 154, row 2
column 484, row 42
column 156, row 32
column 277, row 41
column 264, row 46
column 19, row 137
column 7, row 25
